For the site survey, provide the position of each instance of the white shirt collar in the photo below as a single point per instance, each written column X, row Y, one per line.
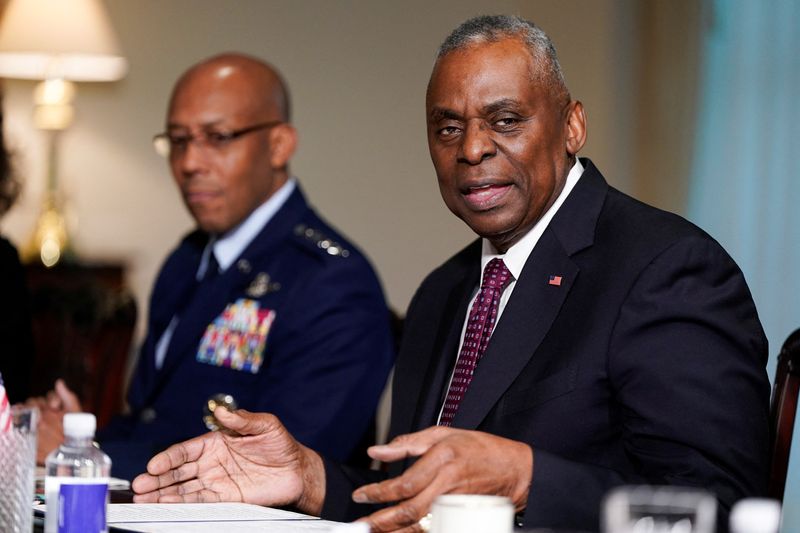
column 516, row 256
column 229, row 247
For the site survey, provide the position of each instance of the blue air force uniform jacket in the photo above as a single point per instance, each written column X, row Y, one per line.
column 297, row 326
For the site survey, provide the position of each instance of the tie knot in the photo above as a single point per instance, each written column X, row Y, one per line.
column 496, row 275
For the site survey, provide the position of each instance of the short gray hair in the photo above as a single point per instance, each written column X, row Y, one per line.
column 493, row 28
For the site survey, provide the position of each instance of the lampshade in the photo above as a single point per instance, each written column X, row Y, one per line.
column 66, row 39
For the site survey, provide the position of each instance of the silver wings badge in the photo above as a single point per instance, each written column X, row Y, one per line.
column 261, row 285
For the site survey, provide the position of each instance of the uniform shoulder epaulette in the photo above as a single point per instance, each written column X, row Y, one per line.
column 320, row 240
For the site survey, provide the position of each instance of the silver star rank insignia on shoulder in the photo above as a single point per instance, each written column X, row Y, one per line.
column 321, row 240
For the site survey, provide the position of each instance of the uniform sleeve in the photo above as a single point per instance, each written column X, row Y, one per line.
column 686, row 364
column 325, row 382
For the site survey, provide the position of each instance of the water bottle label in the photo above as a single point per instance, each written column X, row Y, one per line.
column 82, row 508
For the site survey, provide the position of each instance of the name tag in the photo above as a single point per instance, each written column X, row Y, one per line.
column 238, row 337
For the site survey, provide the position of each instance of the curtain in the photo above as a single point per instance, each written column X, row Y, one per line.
column 744, row 184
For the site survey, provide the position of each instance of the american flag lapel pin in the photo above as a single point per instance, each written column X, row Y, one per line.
column 554, row 280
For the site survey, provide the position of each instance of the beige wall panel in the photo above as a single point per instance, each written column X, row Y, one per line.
column 357, row 71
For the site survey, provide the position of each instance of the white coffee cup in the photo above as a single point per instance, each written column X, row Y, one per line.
column 472, row 513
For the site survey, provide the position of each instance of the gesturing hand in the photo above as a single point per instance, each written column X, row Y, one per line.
column 263, row 465
column 451, row 461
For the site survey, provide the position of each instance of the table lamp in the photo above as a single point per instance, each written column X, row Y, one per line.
column 58, row 42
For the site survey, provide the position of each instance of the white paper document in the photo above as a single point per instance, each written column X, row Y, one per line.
column 267, row 526
column 212, row 518
column 196, row 512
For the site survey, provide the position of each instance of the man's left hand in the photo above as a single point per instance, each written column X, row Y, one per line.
column 450, row 461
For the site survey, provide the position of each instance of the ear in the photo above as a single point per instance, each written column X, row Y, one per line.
column 282, row 144
column 576, row 127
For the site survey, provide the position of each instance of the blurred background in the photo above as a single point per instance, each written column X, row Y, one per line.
column 690, row 108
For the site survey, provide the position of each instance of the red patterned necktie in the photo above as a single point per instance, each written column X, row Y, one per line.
column 482, row 317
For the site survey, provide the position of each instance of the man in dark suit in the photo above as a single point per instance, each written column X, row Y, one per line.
column 627, row 348
column 264, row 301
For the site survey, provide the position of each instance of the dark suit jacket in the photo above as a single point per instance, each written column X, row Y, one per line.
column 327, row 355
column 646, row 365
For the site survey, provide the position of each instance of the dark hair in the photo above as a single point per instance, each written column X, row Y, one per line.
column 9, row 186
column 493, row 28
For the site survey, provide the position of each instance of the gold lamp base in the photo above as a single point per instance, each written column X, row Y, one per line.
column 50, row 241
column 52, row 114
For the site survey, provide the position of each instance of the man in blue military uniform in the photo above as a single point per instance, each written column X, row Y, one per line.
column 264, row 301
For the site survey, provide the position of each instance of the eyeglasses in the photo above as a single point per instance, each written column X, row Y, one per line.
column 167, row 144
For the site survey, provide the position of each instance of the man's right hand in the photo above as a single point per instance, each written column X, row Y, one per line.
column 262, row 464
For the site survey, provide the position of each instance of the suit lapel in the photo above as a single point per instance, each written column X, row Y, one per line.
column 439, row 369
column 535, row 303
column 527, row 318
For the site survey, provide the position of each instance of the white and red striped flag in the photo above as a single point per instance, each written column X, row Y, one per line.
column 5, row 409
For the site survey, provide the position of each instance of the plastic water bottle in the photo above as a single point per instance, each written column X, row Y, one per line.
column 76, row 480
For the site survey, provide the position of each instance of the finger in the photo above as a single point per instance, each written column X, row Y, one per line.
column 154, row 495
column 244, row 422
column 52, row 401
column 178, row 475
column 408, row 513
column 69, row 400
column 412, row 482
column 167, row 492
column 147, row 497
column 175, row 495
column 144, row 485
column 178, row 455
column 404, row 516
column 235, row 421
column 36, row 401
column 189, row 487
column 167, row 481
column 205, row 496
column 170, row 495
column 178, row 498
column 410, row 444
